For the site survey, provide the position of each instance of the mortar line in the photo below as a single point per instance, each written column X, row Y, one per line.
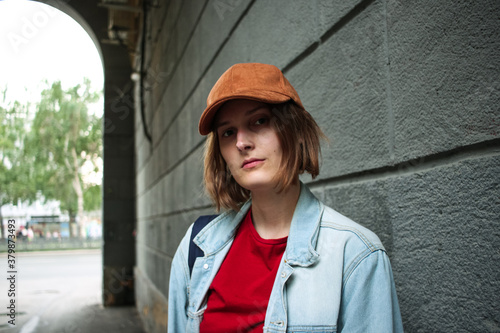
column 173, row 213
column 172, row 167
column 361, row 6
column 155, row 250
column 421, row 164
column 163, row 19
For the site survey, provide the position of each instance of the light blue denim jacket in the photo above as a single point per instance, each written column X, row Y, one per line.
column 335, row 275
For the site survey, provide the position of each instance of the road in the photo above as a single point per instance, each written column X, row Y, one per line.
column 60, row 291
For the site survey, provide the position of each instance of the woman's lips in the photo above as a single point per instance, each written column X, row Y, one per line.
column 251, row 163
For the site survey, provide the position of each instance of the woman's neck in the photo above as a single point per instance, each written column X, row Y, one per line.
column 272, row 212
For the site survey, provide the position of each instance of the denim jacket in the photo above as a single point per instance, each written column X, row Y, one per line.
column 335, row 275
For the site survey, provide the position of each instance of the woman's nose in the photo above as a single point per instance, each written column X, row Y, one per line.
column 243, row 141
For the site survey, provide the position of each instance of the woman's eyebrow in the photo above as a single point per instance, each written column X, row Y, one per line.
column 255, row 109
column 248, row 112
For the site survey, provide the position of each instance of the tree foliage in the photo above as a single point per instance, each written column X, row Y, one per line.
column 47, row 152
column 15, row 183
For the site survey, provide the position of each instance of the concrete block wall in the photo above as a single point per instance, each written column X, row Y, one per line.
column 408, row 94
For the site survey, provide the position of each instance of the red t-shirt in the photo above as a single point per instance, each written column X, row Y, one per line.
column 239, row 294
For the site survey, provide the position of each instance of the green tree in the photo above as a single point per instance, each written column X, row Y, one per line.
column 47, row 152
column 64, row 137
column 15, row 183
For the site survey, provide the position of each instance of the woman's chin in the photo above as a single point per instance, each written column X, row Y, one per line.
column 258, row 185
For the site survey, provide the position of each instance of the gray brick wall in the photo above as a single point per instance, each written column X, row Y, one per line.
column 408, row 94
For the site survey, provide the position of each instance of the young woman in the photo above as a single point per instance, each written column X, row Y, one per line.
column 277, row 259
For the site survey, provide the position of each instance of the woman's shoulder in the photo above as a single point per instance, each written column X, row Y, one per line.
column 343, row 229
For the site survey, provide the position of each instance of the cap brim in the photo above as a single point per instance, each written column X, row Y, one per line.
column 207, row 117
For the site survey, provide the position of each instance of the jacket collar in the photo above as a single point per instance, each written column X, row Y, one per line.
column 301, row 239
column 303, row 236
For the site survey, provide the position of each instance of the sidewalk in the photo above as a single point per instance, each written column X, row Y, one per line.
column 61, row 292
column 95, row 318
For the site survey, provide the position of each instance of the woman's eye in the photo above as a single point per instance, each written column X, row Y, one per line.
column 227, row 133
column 261, row 121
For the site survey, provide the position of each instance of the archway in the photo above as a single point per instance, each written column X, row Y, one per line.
column 118, row 187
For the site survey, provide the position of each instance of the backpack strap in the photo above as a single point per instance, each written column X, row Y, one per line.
column 194, row 250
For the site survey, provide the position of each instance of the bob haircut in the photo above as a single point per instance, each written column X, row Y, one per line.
column 299, row 136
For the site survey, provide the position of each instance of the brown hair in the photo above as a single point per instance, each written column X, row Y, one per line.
column 299, row 137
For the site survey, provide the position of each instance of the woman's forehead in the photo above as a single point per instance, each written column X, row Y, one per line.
column 237, row 108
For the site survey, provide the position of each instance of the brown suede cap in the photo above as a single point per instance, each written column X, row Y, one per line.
column 254, row 81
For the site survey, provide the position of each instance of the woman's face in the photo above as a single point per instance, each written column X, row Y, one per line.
column 249, row 144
